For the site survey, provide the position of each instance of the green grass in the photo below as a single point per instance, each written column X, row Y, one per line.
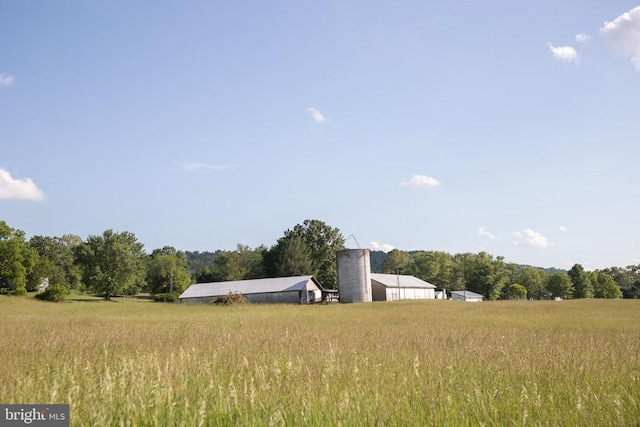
column 134, row 362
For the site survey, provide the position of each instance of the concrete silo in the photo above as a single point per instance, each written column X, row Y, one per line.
column 354, row 275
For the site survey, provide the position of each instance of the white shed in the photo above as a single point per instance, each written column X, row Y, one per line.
column 279, row 290
column 441, row 294
column 391, row 287
column 466, row 296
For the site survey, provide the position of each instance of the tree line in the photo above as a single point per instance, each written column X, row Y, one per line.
column 494, row 278
column 115, row 263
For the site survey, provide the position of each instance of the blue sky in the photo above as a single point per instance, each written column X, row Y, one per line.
column 507, row 127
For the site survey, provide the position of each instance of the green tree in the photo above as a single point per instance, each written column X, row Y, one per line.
column 517, row 291
column 397, row 261
column 627, row 279
column 225, row 267
column 113, row 263
column 604, row 286
column 252, row 261
column 533, row 279
column 623, row 277
column 461, row 271
column 198, row 262
column 434, row 267
column 293, row 258
column 560, row 285
column 486, row 275
column 45, row 271
column 633, row 291
column 16, row 259
column 60, row 267
column 241, row 264
column 582, row 286
column 167, row 271
column 323, row 243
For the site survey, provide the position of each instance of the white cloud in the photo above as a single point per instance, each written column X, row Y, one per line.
column 564, row 53
column 7, row 79
column 191, row 167
column 384, row 247
column 528, row 237
column 563, row 229
column 19, row 189
column 483, row 232
column 421, row 181
column 583, row 38
column 317, row 115
column 623, row 33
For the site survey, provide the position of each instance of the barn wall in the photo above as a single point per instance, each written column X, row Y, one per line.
column 378, row 292
column 292, row 297
column 201, row 300
column 393, row 294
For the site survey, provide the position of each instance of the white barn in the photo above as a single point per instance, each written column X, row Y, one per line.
column 279, row 290
column 466, row 296
column 392, row 287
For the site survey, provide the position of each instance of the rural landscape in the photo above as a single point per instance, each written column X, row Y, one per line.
column 119, row 358
column 342, row 213
column 135, row 362
column 116, row 263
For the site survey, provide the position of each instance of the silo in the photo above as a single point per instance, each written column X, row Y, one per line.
column 354, row 275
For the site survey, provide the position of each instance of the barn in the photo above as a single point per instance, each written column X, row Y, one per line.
column 279, row 290
column 392, row 287
column 466, row 296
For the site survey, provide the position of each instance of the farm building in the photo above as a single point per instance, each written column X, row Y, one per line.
column 466, row 296
column 391, row 287
column 441, row 294
column 279, row 290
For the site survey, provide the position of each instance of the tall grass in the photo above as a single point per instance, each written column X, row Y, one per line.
column 398, row 363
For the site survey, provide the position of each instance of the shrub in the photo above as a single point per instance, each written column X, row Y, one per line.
column 54, row 293
column 20, row 290
column 232, row 298
column 517, row 291
column 168, row 297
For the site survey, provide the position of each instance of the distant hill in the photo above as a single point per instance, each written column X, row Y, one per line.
column 377, row 258
column 549, row 270
column 198, row 260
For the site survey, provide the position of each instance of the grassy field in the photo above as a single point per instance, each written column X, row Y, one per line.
column 132, row 362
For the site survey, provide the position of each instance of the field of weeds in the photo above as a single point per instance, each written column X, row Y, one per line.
column 132, row 362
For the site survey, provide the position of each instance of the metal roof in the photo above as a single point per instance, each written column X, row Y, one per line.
column 400, row 281
column 467, row 294
column 254, row 286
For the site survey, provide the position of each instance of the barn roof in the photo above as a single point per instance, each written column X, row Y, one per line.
column 467, row 294
column 400, row 281
column 246, row 287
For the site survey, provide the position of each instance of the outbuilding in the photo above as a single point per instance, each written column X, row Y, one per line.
column 441, row 294
column 466, row 296
column 279, row 290
column 392, row 287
